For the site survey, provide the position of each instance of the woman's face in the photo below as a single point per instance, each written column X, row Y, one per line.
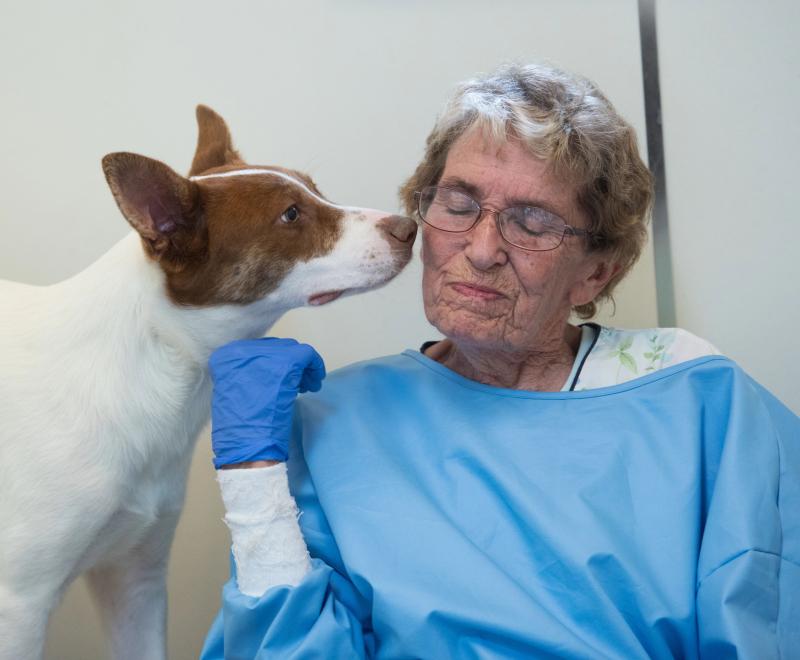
column 479, row 290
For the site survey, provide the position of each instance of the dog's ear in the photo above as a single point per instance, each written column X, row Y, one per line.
column 214, row 144
column 159, row 203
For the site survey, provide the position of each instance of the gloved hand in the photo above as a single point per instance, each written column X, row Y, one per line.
column 255, row 384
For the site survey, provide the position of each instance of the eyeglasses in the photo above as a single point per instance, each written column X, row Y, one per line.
column 526, row 227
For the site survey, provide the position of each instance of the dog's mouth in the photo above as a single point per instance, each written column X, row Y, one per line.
column 323, row 298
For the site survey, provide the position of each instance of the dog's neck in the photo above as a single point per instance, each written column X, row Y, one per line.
column 112, row 334
column 126, row 279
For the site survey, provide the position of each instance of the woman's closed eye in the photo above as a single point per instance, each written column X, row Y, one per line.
column 454, row 202
column 456, row 209
column 534, row 220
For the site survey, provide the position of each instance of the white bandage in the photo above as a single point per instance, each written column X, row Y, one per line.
column 261, row 513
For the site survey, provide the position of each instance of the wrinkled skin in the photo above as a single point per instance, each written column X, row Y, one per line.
column 518, row 336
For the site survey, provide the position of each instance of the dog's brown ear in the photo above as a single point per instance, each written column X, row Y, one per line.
column 214, row 144
column 159, row 203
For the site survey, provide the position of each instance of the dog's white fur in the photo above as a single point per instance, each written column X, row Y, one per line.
column 103, row 391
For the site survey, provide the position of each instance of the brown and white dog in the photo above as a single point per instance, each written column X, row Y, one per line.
column 103, row 380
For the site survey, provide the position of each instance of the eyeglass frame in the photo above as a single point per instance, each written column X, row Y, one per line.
column 568, row 229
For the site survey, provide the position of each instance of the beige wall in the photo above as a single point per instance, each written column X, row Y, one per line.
column 730, row 84
column 346, row 90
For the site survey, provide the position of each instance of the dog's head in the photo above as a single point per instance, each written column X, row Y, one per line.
column 233, row 233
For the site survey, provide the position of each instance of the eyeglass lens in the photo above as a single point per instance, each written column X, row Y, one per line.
column 528, row 227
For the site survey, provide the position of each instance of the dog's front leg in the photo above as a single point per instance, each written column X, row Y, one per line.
column 23, row 619
column 131, row 595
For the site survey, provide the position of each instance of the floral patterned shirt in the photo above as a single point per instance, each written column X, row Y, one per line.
column 621, row 355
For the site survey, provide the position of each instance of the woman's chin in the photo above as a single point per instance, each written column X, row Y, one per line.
column 470, row 331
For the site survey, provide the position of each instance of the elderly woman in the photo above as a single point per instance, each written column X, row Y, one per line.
column 525, row 487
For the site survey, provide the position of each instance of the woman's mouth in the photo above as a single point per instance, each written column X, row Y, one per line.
column 476, row 292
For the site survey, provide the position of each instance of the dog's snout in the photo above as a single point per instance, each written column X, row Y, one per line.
column 400, row 228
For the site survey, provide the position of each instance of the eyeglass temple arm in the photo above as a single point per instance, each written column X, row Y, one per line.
column 577, row 231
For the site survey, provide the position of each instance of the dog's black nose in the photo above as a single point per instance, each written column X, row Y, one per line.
column 399, row 227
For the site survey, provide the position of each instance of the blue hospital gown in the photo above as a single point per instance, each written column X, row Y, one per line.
column 659, row 518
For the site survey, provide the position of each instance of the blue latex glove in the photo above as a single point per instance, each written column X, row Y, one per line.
column 255, row 384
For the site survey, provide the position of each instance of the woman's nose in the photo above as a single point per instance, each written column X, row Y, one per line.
column 485, row 246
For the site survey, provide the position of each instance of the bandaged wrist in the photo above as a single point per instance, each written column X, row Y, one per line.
column 261, row 514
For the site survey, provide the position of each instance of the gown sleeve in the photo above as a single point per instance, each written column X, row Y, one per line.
column 748, row 588
column 321, row 615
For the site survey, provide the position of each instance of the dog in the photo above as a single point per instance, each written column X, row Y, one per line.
column 104, row 386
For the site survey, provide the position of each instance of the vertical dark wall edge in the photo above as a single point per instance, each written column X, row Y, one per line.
column 665, row 289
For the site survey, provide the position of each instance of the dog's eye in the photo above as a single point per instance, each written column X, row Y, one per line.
column 290, row 215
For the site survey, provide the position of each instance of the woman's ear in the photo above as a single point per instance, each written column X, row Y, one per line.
column 598, row 273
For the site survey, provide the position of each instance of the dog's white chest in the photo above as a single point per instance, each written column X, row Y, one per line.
column 149, row 499
column 145, row 515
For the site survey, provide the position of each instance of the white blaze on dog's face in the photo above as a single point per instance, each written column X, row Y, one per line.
column 235, row 233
